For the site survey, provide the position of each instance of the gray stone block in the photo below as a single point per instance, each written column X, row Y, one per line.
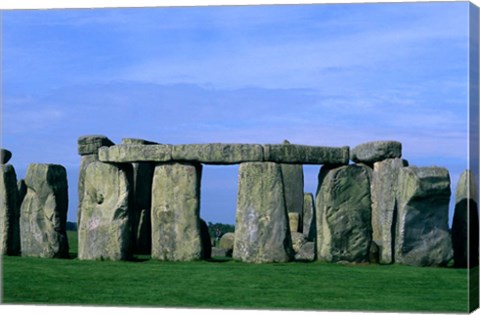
column 9, row 212
column 376, row 151
column 176, row 234
column 303, row 154
column 309, row 225
column 343, row 215
column 104, row 231
column 292, row 175
column 137, row 141
column 43, row 214
column 422, row 236
column 218, row 153
column 131, row 153
column 306, row 252
column 384, row 201
column 262, row 234
column 90, row 144
column 465, row 230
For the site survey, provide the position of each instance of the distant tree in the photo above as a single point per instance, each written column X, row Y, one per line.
column 223, row 228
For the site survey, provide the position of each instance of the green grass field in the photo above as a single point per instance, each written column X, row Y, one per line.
column 231, row 284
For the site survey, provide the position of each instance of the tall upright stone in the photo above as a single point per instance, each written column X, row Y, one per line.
column 9, row 212
column 142, row 200
column 384, row 202
column 104, row 232
column 343, row 206
column 262, row 233
column 292, row 175
column 309, row 225
column 465, row 223
column 176, row 226
column 22, row 191
column 422, row 236
column 142, row 192
column 88, row 147
column 43, row 214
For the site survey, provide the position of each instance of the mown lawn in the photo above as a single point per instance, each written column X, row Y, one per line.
column 231, row 284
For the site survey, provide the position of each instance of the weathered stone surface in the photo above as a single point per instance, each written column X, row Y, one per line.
column 343, row 215
column 309, row 225
column 422, row 236
column 220, row 252
column 292, row 175
column 262, row 233
column 222, row 153
column 131, row 153
column 218, row 153
column 142, row 199
column 376, row 151
column 43, row 214
column 306, row 252
column 227, row 241
column 293, row 221
column 104, row 231
column 137, row 141
column 90, row 144
column 374, row 254
column 465, row 222
column 175, row 212
column 22, row 191
column 384, row 190
column 303, row 154
column 298, row 240
column 9, row 212
column 206, row 242
column 84, row 162
column 5, row 156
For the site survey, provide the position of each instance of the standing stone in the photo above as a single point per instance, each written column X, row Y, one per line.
column 227, row 241
column 88, row 147
column 465, row 223
column 5, row 156
column 293, row 221
column 22, row 191
column 43, row 214
column 176, row 234
column 142, row 199
column 309, row 229
column 9, row 212
column 343, row 216
column 292, row 175
column 262, row 234
column 298, row 240
column 306, row 252
column 384, row 202
column 104, row 232
column 422, row 236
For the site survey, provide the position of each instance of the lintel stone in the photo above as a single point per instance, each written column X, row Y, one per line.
column 218, row 153
column 304, row 154
column 221, row 153
column 90, row 144
column 130, row 153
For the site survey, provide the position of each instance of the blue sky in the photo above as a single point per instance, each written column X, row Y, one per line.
column 338, row 74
